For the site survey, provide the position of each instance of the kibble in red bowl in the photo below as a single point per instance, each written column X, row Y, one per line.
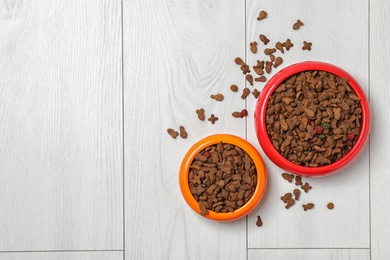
column 312, row 119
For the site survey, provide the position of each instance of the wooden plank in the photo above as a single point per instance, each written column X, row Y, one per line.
column 339, row 36
column 60, row 125
column 177, row 53
column 308, row 254
column 380, row 151
column 114, row 255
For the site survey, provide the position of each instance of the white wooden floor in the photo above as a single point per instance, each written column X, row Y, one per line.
column 89, row 87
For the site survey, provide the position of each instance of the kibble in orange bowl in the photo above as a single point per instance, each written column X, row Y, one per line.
column 222, row 177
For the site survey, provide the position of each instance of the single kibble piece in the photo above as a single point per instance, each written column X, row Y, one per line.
column 288, row 177
column 200, row 113
column 272, row 57
column 245, row 69
column 269, row 51
column 279, row 46
column 306, row 187
column 245, row 93
column 308, row 206
column 290, row 202
column 286, row 197
column 298, row 180
column 262, row 15
column 183, row 132
column 264, row 39
column 297, row 25
column 172, row 133
column 256, row 93
column 306, row 46
column 296, row 193
column 217, row 97
column 259, row 222
column 287, row 44
column 234, row 88
column 330, row 205
column 249, row 78
column 268, row 66
column 213, row 119
column 278, row 61
column 260, row 64
column 239, row 61
column 237, row 114
column 258, row 70
column 261, row 79
column 253, row 47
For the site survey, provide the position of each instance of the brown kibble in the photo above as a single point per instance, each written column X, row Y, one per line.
column 245, row 93
column 279, row 46
column 306, row 46
column 245, row 69
column 213, row 119
column 290, row 202
column 259, row 222
column 217, row 97
column 264, row 39
column 258, row 70
column 172, row 133
column 256, row 93
column 306, row 187
column 288, row 177
column 286, row 197
column 297, row 25
column 268, row 67
column 234, row 88
column 201, row 115
column 239, row 61
column 287, row 44
column 237, row 114
column 261, row 79
column 308, row 206
column 298, row 180
column 249, row 78
column 330, row 205
column 183, row 132
column 278, row 61
column 296, row 194
column 262, row 15
column 253, row 47
column 272, row 57
column 269, row 51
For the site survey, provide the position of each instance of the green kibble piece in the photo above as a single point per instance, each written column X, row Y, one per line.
column 325, row 125
column 322, row 137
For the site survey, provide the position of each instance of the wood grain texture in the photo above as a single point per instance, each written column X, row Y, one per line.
column 308, row 254
column 62, row 256
column 347, row 226
column 177, row 53
column 60, row 125
column 379, row 143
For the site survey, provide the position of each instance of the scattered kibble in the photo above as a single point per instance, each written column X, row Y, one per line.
column 200, row 113
column 308, row 206
column 330, row 205
column 268, row 67
column 183, row 132
column 297, row 24
column 306, row 46
column 259, row 222
column 279, row 46
column 272, row 57
column 287, row 44
column 172, row 133
column 249, row 78
column 234, row 88
column 269, row 51
column 264, row 39
column 237, row 114
column 296, row 193
column 306, row 187
column 239, row 61
column 262, row 15
column 261, row 79
column 217, row 97
column 298, row 180
column 288, row 177
column 256, row 93
column 245, row 93
column 290, row 202
column 253, row 47
column 213, row 119
column 286, row 197
column 278, row 61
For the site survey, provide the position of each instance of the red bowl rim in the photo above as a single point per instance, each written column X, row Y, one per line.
column 260, row 122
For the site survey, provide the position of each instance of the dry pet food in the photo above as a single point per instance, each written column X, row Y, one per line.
column 261, row 79
column 201, row 115
column 308, row 206
column 279, row 46
column 234, row 88
column 306, row 46
column 245, row 93
column 272, row 57
column 330, row 205
column 287, row 44
column 183, row 133
column 249, row 78
column 296, row 193
column 268, row 67
column 213, row 119
column 253, row 47
column 289, row 203
column 262, row 15
column 278, row 61
column 222, row 178
column 288, row 177
column 237, row 114
column 264, row 39
column 298, row 180
column 259, row 222
column 297, row 24
column 217, row 97
column 285, row 198
column 172, row 133
column 306, row 187
column 269, row 51
column 313, row 118
column 256, row 93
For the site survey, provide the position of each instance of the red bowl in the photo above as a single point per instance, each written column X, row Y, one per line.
column 261, row 129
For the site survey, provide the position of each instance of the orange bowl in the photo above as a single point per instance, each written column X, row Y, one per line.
column 228, row 139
